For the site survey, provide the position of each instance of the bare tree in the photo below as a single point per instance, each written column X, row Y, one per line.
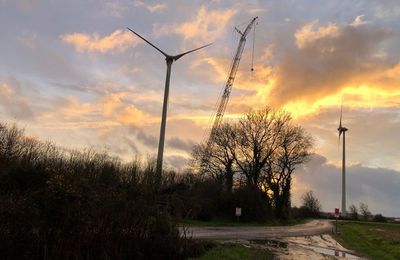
column 217, row 160
column 294, row 149
column 353, row 212
column 256, row 143
column 265, row 147
column 364, row 211
column 311, row 203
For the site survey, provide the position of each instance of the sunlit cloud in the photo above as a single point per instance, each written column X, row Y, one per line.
column 308, row 33
column 155, row 8
column 111, row 109
column 117, row 41
column 206, row 27
column 5, row 92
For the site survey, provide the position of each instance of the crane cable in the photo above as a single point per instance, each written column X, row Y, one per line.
column 252, row 53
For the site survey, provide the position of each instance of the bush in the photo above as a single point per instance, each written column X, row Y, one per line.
column 62, row 204
column 379, row 218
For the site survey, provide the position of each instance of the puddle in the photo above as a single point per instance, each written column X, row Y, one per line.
column 332, row 252
column 271, row 243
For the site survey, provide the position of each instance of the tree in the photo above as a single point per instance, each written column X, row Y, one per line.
column 379, row 218
column 311, row 203
column 364, row 211
column 217, row 160
column 353, row 212
column 265, row 147
column 293, row 150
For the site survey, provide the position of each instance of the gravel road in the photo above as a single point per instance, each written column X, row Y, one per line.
column 314, row 227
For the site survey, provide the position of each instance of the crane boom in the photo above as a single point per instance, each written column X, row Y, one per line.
column 229, row 82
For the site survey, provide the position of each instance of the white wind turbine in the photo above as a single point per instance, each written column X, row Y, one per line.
column 169, row 60
column 343, row 130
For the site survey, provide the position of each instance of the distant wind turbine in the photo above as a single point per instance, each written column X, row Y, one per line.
column 343, row 130
column 169, row 60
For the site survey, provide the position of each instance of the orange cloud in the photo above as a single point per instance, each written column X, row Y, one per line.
column 109, row 110
column 5, row 92
column 308, row 33
column 117, row 41
column 151, row 8
column 207, row 26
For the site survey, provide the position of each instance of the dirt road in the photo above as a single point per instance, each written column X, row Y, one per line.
column 314, row 227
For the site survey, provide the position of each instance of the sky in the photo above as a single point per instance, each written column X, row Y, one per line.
column 71, row 73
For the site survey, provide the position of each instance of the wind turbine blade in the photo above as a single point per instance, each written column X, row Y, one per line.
column 341, row 113
column 176, row 57
column 155, row 47
column 340, row 133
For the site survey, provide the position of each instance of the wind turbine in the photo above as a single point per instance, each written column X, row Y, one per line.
column 343, row 130
column 169, row 60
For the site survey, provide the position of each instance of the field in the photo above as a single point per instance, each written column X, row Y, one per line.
column 372, row 240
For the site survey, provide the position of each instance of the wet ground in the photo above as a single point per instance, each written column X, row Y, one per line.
column 305, row 241
column 308, row 247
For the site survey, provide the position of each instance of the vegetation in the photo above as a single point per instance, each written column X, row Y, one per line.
column 364, row 211
column 253, row 160
column 372, row 240
column 311, row 207
column 235, row 252
column 60, row 204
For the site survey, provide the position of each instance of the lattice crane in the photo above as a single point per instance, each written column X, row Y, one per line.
column 229, row 82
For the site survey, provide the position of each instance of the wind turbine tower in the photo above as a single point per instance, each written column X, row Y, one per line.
column 169, row 59
column 342, row 130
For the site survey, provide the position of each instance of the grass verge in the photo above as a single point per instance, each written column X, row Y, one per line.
column 233, row 252
column 372, row 240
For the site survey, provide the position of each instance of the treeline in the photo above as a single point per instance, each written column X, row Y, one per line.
column 252, row 161
column 66, row 204
column 57, row 203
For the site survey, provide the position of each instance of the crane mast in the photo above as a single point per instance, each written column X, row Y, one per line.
column 229, row 82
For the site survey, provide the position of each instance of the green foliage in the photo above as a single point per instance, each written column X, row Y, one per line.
column 373, row 240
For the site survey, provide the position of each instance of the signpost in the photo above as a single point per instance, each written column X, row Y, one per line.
column 238, row 213
column 337, row 214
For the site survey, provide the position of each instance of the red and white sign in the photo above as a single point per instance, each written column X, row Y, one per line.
column 337, row 213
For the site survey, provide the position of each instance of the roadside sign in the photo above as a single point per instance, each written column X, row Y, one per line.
column 337, row 213
column 238, row 212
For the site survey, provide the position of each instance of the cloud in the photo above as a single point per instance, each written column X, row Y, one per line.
column 148, row 140
column 307, row 34
column 107, row 110
column 177, row 162
column 14, row 103
column 180, row 144
column 378, row 187
column 156, row 8
column 358, row 21
column 207, row 26
column 5, row 93
column 117, row 41
column 327, row 60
